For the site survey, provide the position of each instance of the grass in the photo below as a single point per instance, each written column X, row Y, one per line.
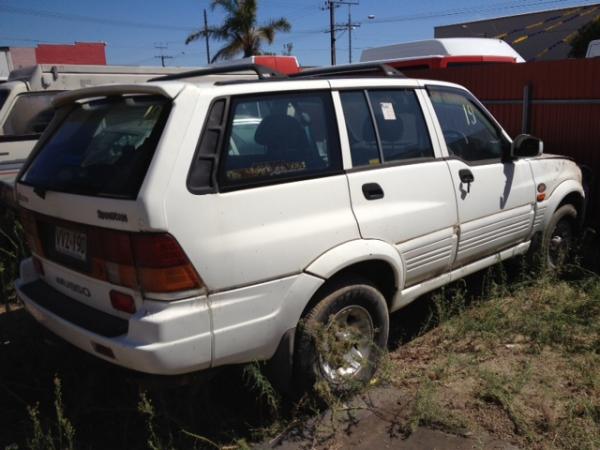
column 12, row 250
column 503, row 354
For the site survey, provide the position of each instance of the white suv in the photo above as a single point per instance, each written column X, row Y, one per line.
column 196, row 221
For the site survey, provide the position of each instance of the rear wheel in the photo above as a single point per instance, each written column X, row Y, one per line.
column 341, row 339
column 559, row 237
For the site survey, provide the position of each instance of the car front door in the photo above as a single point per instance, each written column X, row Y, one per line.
column 495, row 197
column 401, row 190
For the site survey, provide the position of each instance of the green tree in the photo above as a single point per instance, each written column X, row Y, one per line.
column 585, row 34
column 240, row 30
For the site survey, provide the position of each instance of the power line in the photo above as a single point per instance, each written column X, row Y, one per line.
column 516, row 4
column 331, row 5
column 162, row 56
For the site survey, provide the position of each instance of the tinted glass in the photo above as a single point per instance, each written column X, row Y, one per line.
column 3, row 95
column 280, row 136
column 361, row 133
column 402, row 128
column 469, row 134
column 102, row 148
column 30, row 114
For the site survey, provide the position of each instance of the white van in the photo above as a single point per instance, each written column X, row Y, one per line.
column 189, row 223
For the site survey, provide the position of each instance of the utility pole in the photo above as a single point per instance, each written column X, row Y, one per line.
column 331, row 5
column 206, row 37
column 162, row 55
column 351, row 26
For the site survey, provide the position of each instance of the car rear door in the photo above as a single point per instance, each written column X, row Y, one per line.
column 495, row 197
column 401, row 190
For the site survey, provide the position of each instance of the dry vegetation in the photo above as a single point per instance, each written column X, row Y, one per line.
column 512, row 357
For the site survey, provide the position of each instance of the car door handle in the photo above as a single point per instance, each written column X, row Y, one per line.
column 372, row 191
column 467, row 177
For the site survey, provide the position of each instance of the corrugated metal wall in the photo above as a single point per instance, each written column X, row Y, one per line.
column 564, row 109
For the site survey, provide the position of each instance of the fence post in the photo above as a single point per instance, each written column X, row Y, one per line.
column 526, row 115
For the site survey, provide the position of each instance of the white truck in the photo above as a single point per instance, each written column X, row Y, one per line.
column 187, row 223
column 26, row 96
column 442, row 53
column 593, row 50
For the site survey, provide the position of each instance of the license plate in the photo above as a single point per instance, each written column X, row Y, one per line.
column 70, row 243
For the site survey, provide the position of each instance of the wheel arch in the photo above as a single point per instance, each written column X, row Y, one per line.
column 568, row 192
column 375, row 260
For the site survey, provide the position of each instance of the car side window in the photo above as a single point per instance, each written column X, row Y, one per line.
column 385, row 126
column 469, row 134
column 360, row 128
column 30, row 115
column 280, row 136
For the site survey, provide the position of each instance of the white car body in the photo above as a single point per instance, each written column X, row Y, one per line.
column 263, row 252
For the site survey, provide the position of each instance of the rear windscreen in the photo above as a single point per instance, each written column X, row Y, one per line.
column 102, row 148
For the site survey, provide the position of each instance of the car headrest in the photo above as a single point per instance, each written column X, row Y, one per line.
column 281, row 130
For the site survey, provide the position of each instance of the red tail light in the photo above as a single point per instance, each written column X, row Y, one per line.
column 162, row 265
column 38, row 266
column 27, row 220
column 122, row 302
column 154, row 263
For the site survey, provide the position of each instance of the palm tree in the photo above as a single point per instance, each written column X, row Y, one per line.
column 240, row 30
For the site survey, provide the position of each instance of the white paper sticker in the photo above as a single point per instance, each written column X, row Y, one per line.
column 388, row 111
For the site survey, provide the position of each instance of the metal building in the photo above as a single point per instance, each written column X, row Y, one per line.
column 544, row 35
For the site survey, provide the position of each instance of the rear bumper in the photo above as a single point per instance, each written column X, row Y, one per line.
column 163, row 339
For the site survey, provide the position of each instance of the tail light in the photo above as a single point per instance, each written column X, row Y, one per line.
column 27, row 220
column 162, row 266
column 122, row 302
column 153, row 263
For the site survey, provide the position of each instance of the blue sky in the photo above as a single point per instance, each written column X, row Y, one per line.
column 133, row 28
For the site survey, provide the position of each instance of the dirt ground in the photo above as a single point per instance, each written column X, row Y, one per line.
column 515, row 368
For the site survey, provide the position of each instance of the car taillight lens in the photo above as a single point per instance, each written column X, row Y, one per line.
column 122, row 302
column 38, row 266
column 27, row 220
column 154, row 263
column 162, row 265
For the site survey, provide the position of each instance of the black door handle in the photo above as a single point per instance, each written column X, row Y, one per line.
column 466, row 176
column 372, row 191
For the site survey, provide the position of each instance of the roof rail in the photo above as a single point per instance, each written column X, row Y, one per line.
column 367, row 69
column 262, row 72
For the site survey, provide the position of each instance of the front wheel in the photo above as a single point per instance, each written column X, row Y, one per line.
column 341, row 339
column 559, row 238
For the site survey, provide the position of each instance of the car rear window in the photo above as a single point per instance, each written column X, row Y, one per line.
column 102, row 148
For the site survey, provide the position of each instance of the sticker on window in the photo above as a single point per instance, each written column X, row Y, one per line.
column 470, row 116
column 388, row 111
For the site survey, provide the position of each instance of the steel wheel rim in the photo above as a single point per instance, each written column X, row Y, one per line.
column 559, row 243
column 353, row 329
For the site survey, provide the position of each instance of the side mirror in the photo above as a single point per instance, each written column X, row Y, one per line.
column 526, row 146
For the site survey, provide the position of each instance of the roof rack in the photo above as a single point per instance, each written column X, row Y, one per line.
column 351, row 69
column 262, row 72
